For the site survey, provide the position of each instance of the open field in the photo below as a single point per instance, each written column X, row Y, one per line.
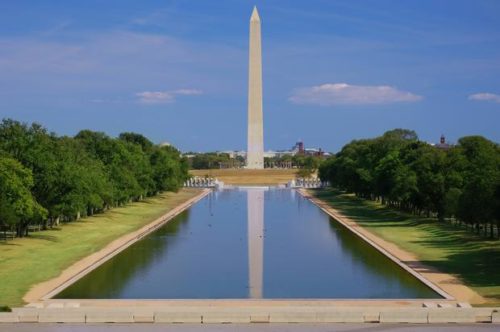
column 44, row 255
column 476, row 261
column 248, row 176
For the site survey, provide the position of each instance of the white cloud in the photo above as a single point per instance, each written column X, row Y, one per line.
column 155, row 97
column 343, row 93
column 485, row 96
column 187, row 92
column 164, row 97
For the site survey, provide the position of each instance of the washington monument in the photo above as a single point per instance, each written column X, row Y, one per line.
column 255, row 148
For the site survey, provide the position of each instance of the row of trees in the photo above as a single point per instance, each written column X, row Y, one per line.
column 399, row 170
column 296, row 161
column 46, row 179
column 210, row 160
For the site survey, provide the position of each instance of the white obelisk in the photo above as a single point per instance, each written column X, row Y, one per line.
column 255, row 151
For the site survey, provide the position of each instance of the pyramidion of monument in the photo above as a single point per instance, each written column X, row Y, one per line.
column 255, row 14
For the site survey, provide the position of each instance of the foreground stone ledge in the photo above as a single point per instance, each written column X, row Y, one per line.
column 28, row 316
column 292, row 317
column 452, row 316
column 226, row 317
column 371, row 317
column 341, row 316
column 495, row 317
column 9, row 317
column 144, row 317
column 252, row 314
column 259, row 318
column 61, row 316
column 178, row 317
column 108, row 316
column 404, row 316
column 484, row 315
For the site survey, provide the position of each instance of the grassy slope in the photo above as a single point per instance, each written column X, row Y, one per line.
column 249, row 176
column 475, row 260
column 44, row 255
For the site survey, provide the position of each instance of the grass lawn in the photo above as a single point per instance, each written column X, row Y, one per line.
column 241, row 176
column 451, row 250
column 44, row 255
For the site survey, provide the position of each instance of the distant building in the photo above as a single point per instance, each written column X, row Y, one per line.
column 230, row 153
column 298, row 148
column 317, row 152
column 443, row 145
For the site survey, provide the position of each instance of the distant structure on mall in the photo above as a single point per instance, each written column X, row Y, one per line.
column 272, row 158
column 298, row 149
column 255, row 147
column 443, row 145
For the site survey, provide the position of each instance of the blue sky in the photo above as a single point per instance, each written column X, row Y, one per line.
column 177, row 70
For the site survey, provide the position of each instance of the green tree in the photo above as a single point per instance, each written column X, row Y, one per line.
column 137, row 139
column 481, row 178
column 169, row 169
column 18, row 207
column 429, row 165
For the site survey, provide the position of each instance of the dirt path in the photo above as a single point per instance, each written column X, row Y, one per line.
column 437, row 280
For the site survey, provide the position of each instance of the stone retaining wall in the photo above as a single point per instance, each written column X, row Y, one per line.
column 253, row 315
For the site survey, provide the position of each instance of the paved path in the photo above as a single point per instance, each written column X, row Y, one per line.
column 244, row 327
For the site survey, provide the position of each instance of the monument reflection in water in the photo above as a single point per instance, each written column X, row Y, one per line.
column 255, row 221
column 249, row 243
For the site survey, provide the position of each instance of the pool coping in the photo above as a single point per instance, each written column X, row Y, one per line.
column 47, row 289
column 246, row 314
column 446, row 285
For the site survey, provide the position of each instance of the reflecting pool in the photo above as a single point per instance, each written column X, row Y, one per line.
column 250, row 243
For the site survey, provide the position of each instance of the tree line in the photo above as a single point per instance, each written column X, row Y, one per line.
column 46, row 179
column 210, row 160
column 213, row 160
column 297, row 160
column 459, row 183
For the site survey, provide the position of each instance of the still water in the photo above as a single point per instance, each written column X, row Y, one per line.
column 249, row 243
